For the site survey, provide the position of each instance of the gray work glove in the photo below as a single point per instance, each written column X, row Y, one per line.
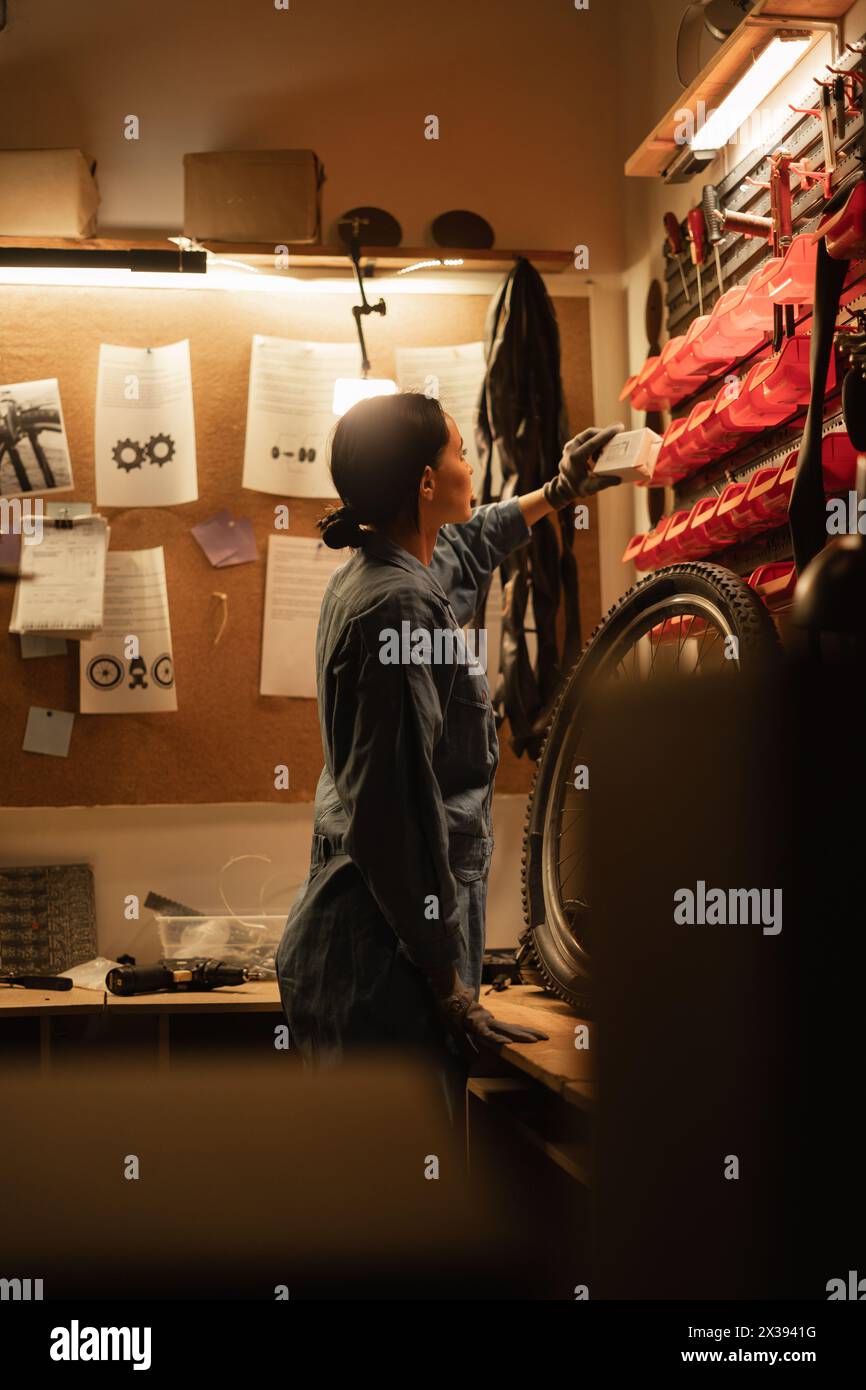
column 471, row 1025
column 575, row 477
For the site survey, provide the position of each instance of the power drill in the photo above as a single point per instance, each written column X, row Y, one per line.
column 174, row 976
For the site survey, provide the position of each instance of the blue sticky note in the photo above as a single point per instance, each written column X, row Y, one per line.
column 48, row 731
column 34, row 644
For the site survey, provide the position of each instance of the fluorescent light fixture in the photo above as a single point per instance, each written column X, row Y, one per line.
column 774, row 63
column 348, row 390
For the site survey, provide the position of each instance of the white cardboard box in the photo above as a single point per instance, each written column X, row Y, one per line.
column 631, row 455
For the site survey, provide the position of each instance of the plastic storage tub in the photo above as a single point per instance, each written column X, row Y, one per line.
column 249, row 941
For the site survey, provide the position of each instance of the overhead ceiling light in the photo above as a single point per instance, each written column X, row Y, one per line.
column 774, row 63
column 349, row 390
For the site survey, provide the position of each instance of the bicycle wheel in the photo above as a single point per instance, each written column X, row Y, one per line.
column 689, row 619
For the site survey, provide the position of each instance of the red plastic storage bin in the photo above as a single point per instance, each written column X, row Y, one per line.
column 775, row 583
column 839, row 458
column 730, row 525
column 668, row 466
column 676, row 545
column 701, row 517
column 760, row 281
column 675, row 381
column 718, row 527
column 739, row 413
column 782, row 384
column 701, row 355
column 667, row 551
column 632, row 553
column 717, row 427
column 845, row 229
column 726, row 335
column 692, row 447
column 642, row 396
column 768, row 495
column 754, row 311
column 741, row 512
column 678, row 629
column 794, row 281
column 650, row 551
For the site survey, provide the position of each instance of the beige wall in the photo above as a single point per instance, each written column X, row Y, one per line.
column 517, row 88
column 179, row 851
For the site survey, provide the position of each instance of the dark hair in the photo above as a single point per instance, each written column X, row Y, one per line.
column 379, row 451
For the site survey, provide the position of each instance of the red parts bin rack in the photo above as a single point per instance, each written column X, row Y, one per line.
column 737, row 325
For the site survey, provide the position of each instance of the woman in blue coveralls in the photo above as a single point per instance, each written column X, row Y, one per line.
column 384, row 943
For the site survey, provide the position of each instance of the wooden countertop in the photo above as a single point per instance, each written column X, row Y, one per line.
column 557, row 1063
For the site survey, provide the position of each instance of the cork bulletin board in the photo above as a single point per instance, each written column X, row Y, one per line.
column 225, row 739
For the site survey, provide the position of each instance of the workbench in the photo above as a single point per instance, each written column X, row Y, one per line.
column 528, row 1107
column 558, row 1065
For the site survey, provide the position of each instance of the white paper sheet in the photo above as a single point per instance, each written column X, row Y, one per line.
column 145, row 429
column 34, row 456
column 112, row 680
column 298, row 573
column 290, row 415
column 65, row 596
column 455, row 376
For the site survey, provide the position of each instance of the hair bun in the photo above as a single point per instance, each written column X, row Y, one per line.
column 340, row 528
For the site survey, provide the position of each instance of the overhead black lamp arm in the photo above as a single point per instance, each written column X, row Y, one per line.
column 358, row 310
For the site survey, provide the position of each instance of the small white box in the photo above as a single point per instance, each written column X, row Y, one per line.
column 630, row 455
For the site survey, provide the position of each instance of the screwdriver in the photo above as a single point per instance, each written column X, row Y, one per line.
column 695, row 224
column 713, row 219
column 675, row 248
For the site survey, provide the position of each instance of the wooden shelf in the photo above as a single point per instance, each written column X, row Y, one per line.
column 724, row 68
column 306, row 257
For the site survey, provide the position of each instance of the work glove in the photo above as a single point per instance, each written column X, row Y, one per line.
column 470, row 1024
column 575, row 477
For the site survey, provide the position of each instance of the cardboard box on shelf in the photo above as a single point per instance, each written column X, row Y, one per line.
column 271, row 196
column 47, row 193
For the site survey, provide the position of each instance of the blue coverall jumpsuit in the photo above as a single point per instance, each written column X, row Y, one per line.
column 402, row 830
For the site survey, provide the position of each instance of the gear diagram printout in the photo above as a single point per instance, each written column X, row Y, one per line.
column 145, row 427
column 127, row 667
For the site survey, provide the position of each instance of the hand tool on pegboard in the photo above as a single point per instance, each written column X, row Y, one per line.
column 776, row 229
column 675, row 248
column 713, row 220
column 697, row 233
